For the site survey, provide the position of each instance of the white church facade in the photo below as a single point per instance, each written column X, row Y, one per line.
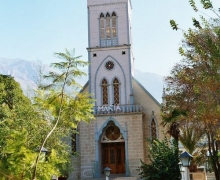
column 126, row 114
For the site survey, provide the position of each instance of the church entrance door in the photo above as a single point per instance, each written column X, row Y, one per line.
column 113, row 156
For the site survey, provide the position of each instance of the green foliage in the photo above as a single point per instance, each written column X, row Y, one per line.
column 24, row 126
column 196, row 23
column 22, row 129
column 194, row 83
column 66, row 108
column 68, row 71
column 174, row 25
column 207, row 4
column 189, row 138
column 193, row 4
column 163, row 161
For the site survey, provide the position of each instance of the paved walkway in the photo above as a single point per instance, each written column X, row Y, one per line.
column 114, row 177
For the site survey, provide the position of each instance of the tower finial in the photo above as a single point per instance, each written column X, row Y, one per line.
column 164, row 95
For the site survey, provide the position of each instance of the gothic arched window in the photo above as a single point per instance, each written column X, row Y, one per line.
column 114, row 34
column 73, row 143
column 104, row 91
column 108, row 29
column 102, row 26
column 116, row 91
column 108, row 26
column 102, row 15
column 153, row 129
column 74, row 140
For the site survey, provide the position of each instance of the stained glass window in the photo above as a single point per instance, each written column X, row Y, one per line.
column 104, row 91
column 113, row 133
column 114, row 34
column 116, row 91
column 74, row 142
column 102, row 26
column 108, row 29
column 153, row 129
column 109, row 65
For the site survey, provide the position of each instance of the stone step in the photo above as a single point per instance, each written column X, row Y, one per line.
column 210, row 176
column 123, row 178
column 114, row 178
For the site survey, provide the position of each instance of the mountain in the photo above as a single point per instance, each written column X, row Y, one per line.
column 23, row 71
column 26, row 72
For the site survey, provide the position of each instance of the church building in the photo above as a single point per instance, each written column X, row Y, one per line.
column 126, row 114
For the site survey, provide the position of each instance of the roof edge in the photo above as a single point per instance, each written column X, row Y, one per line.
column 146, row 91
column 83, row 88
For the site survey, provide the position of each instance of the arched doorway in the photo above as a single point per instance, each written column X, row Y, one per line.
column 113, row 149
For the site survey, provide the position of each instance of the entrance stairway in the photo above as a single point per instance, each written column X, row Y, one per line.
column 210, row 176
column 123, row 178
column 115, row 177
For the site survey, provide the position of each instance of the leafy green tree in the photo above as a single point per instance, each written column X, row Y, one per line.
column 24, row 124
column 22, row 128
column 67, row 109
column 189, row 137
column 163, row 161
column 194, row 83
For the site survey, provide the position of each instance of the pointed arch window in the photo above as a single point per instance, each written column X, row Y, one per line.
column 114, row 34
column 116, row 91
column 104, row 91
column 108, row 29
column 108, row 26
column 102, row 26
column 153, row 129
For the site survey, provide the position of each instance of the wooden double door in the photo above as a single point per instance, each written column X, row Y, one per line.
column 113, row 156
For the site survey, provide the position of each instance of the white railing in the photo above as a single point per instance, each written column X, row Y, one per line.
column 115, row 109
column 109, row 42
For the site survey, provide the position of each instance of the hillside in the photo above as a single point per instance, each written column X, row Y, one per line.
column 25, row 72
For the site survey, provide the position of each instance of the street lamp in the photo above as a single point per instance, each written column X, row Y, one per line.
column 54, row 177
column 208, row 155
column 44, row 151
column 43, row 154
column 107, row 172
column 181, row 167
column 186, row 159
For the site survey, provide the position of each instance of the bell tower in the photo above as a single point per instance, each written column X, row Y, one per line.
column 116, row 137
column 110, row 51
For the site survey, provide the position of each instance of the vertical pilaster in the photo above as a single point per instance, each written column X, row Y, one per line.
column 127, row 173
column 97, row 173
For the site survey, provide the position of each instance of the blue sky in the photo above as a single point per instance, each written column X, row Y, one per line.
column 35, row 29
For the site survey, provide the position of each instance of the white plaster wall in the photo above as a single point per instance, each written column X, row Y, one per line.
column 120, row 7
column 95, row 2
column 121, row 71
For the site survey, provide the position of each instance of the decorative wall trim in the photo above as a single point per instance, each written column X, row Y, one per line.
column 142, row 87
column 89, row 58
column 103, row 127
column 95, row 77
column 107, row 4
column 107, row 48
